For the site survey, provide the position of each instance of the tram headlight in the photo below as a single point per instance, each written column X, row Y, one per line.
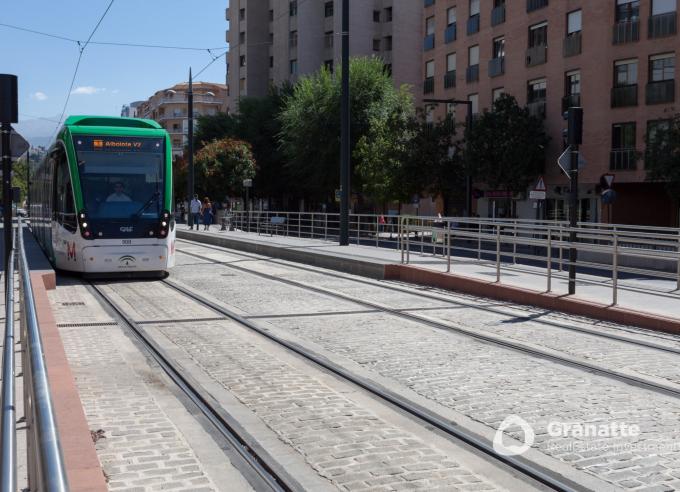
column 84, row 226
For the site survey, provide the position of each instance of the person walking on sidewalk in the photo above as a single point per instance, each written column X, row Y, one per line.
column 195, row 211
column 207, row 213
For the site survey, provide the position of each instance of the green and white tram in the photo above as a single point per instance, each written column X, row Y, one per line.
column 101, row 201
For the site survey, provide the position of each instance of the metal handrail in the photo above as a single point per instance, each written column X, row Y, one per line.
column 46, row 470
column 8, row 452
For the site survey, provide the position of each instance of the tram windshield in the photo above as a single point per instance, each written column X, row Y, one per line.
column 121, row 177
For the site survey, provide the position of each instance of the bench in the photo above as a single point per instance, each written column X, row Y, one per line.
column 272, row 225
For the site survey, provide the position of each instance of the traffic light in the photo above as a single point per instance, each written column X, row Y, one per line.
column 575, row 126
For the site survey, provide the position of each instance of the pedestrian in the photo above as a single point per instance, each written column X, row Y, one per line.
column 182, row 211
column 207, row 213
column 195, row 210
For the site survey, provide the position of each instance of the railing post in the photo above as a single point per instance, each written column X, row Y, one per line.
column 615, row 273
column 448, row 247
column 325, row 227
column 549, row 260
column 8, row 451
column 560, row 248
column 422, row 237
column 479, row 241
column 498, row 253
column 399, row 235
column 514, row 243
column 377, row 231
column 408, row 243
column 358, row 229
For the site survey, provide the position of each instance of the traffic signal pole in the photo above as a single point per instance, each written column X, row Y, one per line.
column 574, row 139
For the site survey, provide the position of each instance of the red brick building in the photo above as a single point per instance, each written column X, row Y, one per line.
column 615, row 58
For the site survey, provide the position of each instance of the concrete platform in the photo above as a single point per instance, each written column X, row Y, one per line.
column 647, row 303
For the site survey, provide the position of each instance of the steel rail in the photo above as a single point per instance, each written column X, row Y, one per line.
column 8, row 451
column 51, row 472
column 458, row 302
column 524, row 466
column 258, row 460
column 669, row 390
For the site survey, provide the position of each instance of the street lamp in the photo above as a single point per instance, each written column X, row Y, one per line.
column 247, row 184
column 468, row 127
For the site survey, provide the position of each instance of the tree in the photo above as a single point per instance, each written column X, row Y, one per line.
column 221, row 167
column 214, row 127
column 310, row 127
column 662, row 154
column 506, row 147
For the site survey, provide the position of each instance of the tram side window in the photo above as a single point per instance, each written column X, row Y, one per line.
column 64, row 207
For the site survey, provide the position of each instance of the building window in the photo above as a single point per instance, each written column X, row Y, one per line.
column 388, row 14
column 451, row 62
column 242, row 61
column 292, row 8
column 271, row 62
column 573, row 83
column 271, row 15
column 474, row 7
column 429, row 69
column 293, row 39
column 388, row 43
column 656, row 132
column 474, row 99
column 627, row 10
column 497, row 93
column 328, row 39
column 451, row 16
column 473, row 20
column 473, row 55
column 328, row 64
column 662, row 67
column 328, row 9
column 388, row 69
column 242, row 38
column 451, row 109
column 242, row 84
column 293, row 67
column 663, row 6
column 573, row 22
column 623, row 147
column 376, row 45
column 536, row 91
column 242, row 14
column 498, row 48
column 376, row 16
column 429, row 25
column 625, row 73
column 428, row 86
column 538, row 35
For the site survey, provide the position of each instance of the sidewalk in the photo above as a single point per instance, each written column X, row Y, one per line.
column 656, row 299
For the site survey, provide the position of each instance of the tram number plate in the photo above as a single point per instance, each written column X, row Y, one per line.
column 127, row 241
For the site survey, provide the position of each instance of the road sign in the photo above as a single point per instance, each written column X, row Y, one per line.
column 564, row 161
column 609, row 178
column 337, row 196
column 17, row 145
column 247, row 183
column 608, row 196
column 540, row 186
column 537, row 195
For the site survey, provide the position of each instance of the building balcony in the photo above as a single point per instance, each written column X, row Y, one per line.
column 450, row 79
column 537, row 109
column 496, row 66
column 537, row 55
column 662, row 25
column 626, row 31
column 450, row 33
column 661, row 92
column 428, row 85
column 624, row 96
column 572, row 45
column 498, row 15
column 536, row 4
column 473, row 24
column 428, row 3
column 328, row 41
column 623, row 159
column 428, row 42
column 472, row 74
column 571, row 101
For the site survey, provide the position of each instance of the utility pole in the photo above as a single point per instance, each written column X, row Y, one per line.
column 9, row 113
column 574, row 137
column 344, row 131
column 190, row 110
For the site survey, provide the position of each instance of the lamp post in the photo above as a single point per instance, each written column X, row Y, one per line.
column 344, row 130
column 468, row 128
column 190, row 137
column 247, row 184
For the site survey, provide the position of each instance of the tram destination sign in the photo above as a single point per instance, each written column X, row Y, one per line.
column 105, row 143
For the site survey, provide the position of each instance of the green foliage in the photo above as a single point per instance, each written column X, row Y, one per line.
column 310, row 129
column 662, row 155
column 214, row 127
column 19, row 169
column 221, row 167
column 506, row 147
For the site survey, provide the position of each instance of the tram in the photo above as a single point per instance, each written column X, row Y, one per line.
column 101, row 200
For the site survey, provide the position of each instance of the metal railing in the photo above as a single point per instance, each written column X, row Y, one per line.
column 46, row 469
column 626, row 31
column 651, row 252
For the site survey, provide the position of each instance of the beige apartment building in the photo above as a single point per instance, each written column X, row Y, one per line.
column 272, row 41
column 169, row 107
column 615, row 58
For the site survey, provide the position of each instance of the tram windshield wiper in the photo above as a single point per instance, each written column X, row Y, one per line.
column 154, row 199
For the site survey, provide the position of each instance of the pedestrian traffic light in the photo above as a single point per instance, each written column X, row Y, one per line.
column 575, row 126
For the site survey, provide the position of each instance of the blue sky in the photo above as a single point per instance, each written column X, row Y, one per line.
column 109, row 76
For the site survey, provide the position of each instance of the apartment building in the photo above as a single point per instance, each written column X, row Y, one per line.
column 272, row 41
column 615, row 58
column 130, row 110
column 169, row 107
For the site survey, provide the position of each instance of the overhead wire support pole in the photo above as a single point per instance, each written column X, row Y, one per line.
column 7, row 189
column 344, row 131
column 190, row 150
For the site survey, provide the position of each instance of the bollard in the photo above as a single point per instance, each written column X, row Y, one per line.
column 615, row 273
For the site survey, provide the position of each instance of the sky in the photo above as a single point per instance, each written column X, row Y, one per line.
column 108, row 76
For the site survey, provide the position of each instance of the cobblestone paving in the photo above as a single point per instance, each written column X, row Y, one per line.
column 488, row 383
column 348, row 445
column 143, row 450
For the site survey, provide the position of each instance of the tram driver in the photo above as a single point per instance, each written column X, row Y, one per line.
column 118, row 195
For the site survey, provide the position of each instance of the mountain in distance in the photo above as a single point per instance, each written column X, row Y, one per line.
column 37, row 131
